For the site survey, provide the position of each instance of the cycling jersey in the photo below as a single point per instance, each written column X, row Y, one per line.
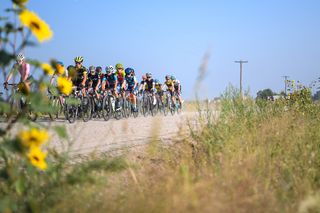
column 169, row 84
column 94, row 79
column 121, row 76
column 149, row 85
column 78, row 78
column 177, row 85
column 23, row 69
column 131, row 81
column 111, row 80
column 158, row 88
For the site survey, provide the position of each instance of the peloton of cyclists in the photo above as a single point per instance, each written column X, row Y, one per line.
column 118, row 80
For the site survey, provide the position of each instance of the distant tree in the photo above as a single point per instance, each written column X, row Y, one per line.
column 264, row 94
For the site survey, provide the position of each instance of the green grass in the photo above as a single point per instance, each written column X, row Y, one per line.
column 256, row 157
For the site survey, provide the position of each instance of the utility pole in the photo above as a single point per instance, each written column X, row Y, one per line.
column 285, row 83
column 241, row 62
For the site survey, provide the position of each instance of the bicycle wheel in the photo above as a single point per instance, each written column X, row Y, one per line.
column 106, row 108
column 71, row 113
column 145, row 106
column 152, row 107
column 86, row 109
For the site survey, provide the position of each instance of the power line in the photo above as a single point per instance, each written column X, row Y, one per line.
column 241, row 62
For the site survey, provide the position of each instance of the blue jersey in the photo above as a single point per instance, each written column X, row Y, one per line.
column 111, row 79
column 131, row 81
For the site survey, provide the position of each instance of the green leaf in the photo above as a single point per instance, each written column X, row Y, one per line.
column 20, row 186
column 4, row 107
column 5, row 58
column 61, row 131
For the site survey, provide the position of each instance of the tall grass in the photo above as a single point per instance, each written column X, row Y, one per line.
column 256, row 157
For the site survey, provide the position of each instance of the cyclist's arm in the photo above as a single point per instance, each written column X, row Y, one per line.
column 10, row 73
column 84, row 78
column 98, row 84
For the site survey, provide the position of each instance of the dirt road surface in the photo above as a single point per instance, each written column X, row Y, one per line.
column 99, row 136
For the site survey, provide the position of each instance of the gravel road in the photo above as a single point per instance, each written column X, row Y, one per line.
column 99, row 136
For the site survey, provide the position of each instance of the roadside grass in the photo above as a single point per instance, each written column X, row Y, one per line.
column 257, row 157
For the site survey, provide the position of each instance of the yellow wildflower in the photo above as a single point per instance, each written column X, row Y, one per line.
column 47, row 68
column 37, row 157
column 64, row 85
column 38, row 27
column 59, row 69
column 33, row 137
column 23, row 88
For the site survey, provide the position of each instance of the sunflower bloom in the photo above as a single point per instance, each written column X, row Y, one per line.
column 23, row 88
column 64, row 85
column 37, row 157
column 47, row 68
column 38, row 27
column 59, row 69
column 33, row 137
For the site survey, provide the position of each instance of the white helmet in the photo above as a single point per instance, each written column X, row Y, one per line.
column 110, row 69
column 20, row 57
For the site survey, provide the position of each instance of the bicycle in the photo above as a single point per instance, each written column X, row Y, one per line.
column 131, row 108
column 148, row 104
column 108, row 106
column 96, row 104
column 19, row 102
column 57, row 102
column 78, row 106
column 169, row 105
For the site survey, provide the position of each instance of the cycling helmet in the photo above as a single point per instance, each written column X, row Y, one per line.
column 149, row 75
column 168, row 77
column 99, row 69
column 110, row 69
column 20, row 57
column 92, row 68
column 129, row 71
column 78, row 59
column 157, row 81
column 119, row 66
column 60, row 63
column 173, row 78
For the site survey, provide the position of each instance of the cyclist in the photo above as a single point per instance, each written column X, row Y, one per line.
column 149, row 86
column 94, row 80
column 110, row 82
column 142, row 85
column 159, row 89
column 170, row 87
column 24, row 70
column 121, row 78
column 177, row 89
column 80, row 76
column 132, row 83
column 100, row 73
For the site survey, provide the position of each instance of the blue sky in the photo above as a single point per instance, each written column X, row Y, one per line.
column 170, row 37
